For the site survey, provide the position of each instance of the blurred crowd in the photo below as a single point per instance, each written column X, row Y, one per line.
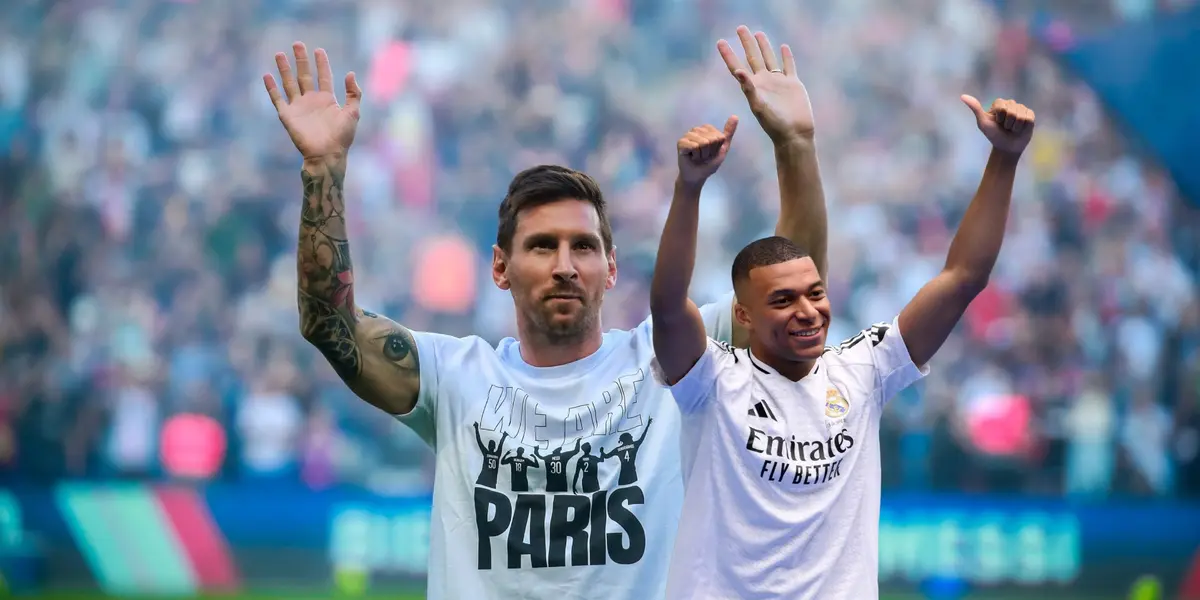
column 149, row 202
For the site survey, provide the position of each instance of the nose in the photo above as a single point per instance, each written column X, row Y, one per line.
column 564, row 268
column 806, row 312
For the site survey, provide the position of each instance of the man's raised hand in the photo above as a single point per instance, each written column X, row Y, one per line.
column 702, row 150
column 317, row 124
column 777, row 97
column 1008, row 125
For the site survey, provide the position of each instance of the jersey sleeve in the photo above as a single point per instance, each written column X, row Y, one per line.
column 881, row 346
column 431, row 350
column 697, row 387
column 718, row 318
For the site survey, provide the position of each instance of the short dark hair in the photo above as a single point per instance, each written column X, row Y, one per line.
column 764, row 253
column 545, row 184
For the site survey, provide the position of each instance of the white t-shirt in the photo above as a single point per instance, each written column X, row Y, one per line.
column 567, row 491
column 782, row 478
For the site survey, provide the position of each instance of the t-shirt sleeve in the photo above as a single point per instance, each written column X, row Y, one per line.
column 882, row 347
column 422, row 419
column 718, row 318
column 697, row 387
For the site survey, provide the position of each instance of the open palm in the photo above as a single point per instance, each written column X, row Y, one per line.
column 776, row 95
column 317, row 124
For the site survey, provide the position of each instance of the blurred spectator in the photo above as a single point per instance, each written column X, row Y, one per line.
column 1090, row 425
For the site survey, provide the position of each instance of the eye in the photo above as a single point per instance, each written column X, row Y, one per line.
column 396, row 347
column 585, row 246
column 817, row 294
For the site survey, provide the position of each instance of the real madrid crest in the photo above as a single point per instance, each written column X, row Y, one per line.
column 836, row 405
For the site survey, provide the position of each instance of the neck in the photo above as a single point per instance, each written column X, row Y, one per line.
column 791, row 369
column 541, row 350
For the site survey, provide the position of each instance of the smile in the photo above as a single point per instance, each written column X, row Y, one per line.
column 805, row 333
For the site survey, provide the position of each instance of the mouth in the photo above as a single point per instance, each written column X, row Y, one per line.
column 805, row 333
column 563, row 297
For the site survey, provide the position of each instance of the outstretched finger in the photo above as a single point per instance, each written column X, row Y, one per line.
column 768, row 53
column 324, row 72
column 976, row 108
column 753, row 54
column 303, row 68
column 730, row 58
column 286, row 78
column 789, row 61
column 273, row 91
column 353, row 95
column 731, row 127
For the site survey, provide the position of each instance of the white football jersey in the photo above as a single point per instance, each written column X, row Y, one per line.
column 782, row 478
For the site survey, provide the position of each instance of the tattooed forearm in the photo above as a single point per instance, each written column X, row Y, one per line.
column 324, row 251
column 331, row 333
column 374, row 355
column 326, row 276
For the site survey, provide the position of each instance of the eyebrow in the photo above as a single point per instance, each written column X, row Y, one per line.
column 549, row 239
column 793, row 291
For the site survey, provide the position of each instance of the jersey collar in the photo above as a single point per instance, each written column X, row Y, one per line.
column 766, row 369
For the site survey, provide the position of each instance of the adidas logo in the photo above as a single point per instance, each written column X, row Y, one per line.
column 762, row 411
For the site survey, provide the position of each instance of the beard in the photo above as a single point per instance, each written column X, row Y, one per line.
column 560, row 328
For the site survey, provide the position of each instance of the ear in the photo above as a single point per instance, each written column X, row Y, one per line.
column 741, row 315
column 611, row 280
column 499, row 268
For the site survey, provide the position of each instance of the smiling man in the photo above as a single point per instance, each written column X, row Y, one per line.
column 781, row 441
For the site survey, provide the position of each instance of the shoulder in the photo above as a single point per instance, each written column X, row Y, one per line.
column 854, row 357
column 859, row 345
column 733, row 362
column 443, row 346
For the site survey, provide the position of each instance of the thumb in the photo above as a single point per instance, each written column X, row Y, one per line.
column 353, row 95
column 973, row 104
column 730, row 128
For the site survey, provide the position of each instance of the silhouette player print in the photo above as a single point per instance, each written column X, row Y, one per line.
column 491, row 459
column 588, row 465
column 519, row 469
column 556, row 467
column 627, row 453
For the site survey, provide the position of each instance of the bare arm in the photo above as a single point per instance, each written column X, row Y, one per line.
column 375, row 356
column 802, row 216
column 929, row 317
column 781, row 105
column 679, row 338
column 679, row 334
